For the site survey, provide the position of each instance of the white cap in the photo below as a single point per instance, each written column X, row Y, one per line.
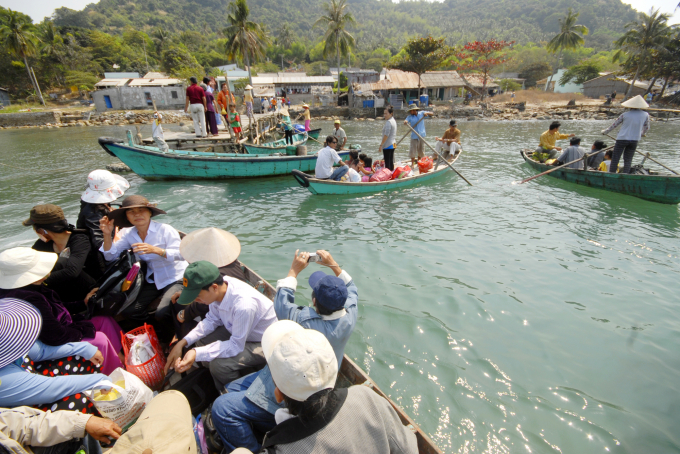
column 104, row 187
column 21, row 266
column 302, row 361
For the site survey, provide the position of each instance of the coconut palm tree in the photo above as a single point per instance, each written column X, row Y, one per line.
column 245, row 39
column 18, row 37
column 570, row 37
column 285, row 36
column 642, row 37
column 161, row 37
column 336, row 39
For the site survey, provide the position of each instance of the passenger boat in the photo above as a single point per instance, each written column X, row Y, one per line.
column 656, row 187
column 312, row 133
column 151, row 163
column 329, row 187
column 277, row 146
column 351, row 374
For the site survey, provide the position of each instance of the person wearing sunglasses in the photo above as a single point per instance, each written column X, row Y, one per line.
column 326, row 157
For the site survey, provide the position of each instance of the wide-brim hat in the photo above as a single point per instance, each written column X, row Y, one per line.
column 636, row 102
column 284, row 112
column 44, row 215
column 305, row 106
column 21, row 266
column 20, row 325
column 413, row 107
column 104, row 187
column 133, row 201
column 248, row 87
column 213, row 245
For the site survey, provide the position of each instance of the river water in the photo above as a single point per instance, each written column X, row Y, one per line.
column 533, row 318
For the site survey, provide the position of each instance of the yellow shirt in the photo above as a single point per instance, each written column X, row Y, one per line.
column 548, row 139
column 248, row 97
column 308, row 116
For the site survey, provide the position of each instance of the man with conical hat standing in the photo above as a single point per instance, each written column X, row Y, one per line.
column 634, row 125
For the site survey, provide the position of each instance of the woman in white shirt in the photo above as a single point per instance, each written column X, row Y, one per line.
column 155, row 244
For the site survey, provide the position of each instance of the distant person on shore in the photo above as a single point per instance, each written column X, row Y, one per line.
column 222, row 97
column 414, row 119
column 235, row 120
column 210, row 119
column 327, row 156
column 265, row 105
column 339, row 134
column 196, row 104
column 549, row 139
column 248, row 99
column 634, row 125
column 157, row 132
column 572, row 153
column 613, row 96
column 389, row 133
column 208, row 88
column 595, row 160
column 450, row 142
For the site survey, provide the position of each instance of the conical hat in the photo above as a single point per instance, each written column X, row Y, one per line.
column 216, row 246
column 635, row 103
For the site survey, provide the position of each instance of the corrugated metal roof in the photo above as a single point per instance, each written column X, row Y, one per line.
column 442, row 79
column 112, row 82
column 154, row 82
column 293, row 80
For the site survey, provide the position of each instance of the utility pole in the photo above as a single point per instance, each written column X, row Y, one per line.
column 281, row 55
column 146, row 59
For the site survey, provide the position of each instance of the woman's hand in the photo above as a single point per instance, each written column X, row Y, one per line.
column 106, row 225
column 97, row 359
column 144, row 248
column 90, row 295
column 300, row 262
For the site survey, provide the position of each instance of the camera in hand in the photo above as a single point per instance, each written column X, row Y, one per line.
column 313, row 257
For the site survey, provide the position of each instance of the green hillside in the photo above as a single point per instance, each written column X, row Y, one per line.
column 380, row 23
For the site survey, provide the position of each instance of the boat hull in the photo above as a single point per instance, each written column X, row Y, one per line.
column 655, row 188
column 277, row 146
column 156, row 165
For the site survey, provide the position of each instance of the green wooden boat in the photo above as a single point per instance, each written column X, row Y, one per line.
column 654, row 187
column 151, row 163
column 312, row 133
column 329, row 187
column 277, row 146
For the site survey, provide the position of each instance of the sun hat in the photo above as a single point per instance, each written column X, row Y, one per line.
column 45, row 215
column 196, row 276
column 284, row 111
column 213, row 245
column 248, row 87
column 164, row 427
column 413, row 107
column 330, row 291
column 104, row 186
column 336, row 122
column 302, row 361
column 20, row 325
column 305, row 106
column 21, row 266
column 132, row 201
column 636, row 102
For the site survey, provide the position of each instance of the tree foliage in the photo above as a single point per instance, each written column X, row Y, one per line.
column 421, row 55
column 581, row 73
column 246, row 40
column 535, row 72
column 483, row 57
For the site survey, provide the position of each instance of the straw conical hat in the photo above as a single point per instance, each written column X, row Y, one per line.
column 635, row 103
column 248, row 87
column 216, row 246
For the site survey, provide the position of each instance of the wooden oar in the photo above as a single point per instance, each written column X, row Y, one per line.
column 647, row 156
column 585, row 156
column 438, row 155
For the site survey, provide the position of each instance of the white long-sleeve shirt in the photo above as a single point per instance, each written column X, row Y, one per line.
column 634, row 124
column 244, row 312
column 165, row 270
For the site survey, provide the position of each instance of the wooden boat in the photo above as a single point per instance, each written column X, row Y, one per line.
column 151, row 163
column 655, row 187
column 329, row 187
column 312, row 133
column 351, row 374
column 277, row 146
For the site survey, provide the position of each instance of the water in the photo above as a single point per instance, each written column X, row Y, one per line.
column 504, row 318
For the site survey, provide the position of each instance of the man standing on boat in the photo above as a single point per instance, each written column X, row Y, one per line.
column 250, row 401
column 549, row 139
column 450, row 142
column 634, row 125
column 326, row 157
column 339, row 134
column 415, row 120
column 197, row 105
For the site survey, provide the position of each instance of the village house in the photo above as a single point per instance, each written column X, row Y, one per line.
column 552, row 84
column 475, row 83
column 129, row 93
column 4, row 97
column 608, row 82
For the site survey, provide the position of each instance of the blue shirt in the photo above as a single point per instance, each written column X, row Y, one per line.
column 20, row 387
column 420, row 129
column 337, row 328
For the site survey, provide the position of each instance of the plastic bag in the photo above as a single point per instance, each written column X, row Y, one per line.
column 141, row 349
column 381, row 175
column 401, row 172
column 218, row 118
column 129, row 401
column 425, row 164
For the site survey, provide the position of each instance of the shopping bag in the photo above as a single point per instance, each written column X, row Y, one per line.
column 218, row 118
column 141, row 349
column 124, row 402
column 425, row 164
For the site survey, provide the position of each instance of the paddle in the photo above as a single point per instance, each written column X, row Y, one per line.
column 647, row 156
column 438, row 155
column 585, row 156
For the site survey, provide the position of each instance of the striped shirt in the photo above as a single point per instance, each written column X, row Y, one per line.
column 244, row 312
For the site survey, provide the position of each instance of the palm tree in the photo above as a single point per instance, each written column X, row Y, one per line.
column 18, row 37
column 570, row 37
column 286, row 37
column 336, row 39
column 245, row 39
column 642, row 37
column 161, row 36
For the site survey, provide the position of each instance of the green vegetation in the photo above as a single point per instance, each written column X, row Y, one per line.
column 570, row 36
column 509, row 85
column 581, row 72
column 246, row 40
column 421, row 55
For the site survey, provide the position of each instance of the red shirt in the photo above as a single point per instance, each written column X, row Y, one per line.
column 195, row 94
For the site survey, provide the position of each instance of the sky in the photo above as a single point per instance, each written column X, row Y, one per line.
column 38, row 9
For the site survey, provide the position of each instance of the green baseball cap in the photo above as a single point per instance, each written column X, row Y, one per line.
column 196, row 276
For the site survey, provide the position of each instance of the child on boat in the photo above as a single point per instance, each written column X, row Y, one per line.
column 353, row 156
column 604, row 165
column 235, row 121
column 365, row 167
column 353, row 174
